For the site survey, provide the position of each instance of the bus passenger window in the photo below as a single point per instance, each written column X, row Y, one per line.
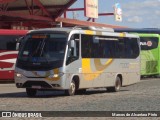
column 86, row 44
column 131, row 48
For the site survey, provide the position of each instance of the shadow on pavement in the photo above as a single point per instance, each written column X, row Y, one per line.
column 13, row 95
column 150, row 78
column 40, row 94
column 52, row 94
column 101, row 92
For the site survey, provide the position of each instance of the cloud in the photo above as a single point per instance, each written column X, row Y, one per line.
column 157, row 12
column 136, row 5
column 135, row 19
column 143, row 13
column 130, row 13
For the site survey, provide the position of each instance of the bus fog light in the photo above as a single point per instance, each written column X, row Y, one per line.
column 19, row 85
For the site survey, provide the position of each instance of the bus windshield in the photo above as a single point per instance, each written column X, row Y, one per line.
column 43, row 49
column 148, row 43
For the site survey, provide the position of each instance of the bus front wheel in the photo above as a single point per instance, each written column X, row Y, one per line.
column 71, row 91
column 117, row 86
column 31, row 92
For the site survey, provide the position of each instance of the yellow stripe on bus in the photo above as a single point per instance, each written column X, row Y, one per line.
column 88, row 73
column 122, row 34
column 89, row 32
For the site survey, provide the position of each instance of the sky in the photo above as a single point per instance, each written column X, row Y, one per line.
column 135, row 13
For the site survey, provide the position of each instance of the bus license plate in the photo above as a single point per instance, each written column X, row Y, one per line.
column 36, row 87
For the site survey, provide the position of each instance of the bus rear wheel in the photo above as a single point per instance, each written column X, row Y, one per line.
column 117, row 86
column 71, row 91
column 31, row 92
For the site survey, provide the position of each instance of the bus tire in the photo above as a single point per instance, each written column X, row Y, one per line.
column 31, row 92
column 71, row 91
column 117, row 86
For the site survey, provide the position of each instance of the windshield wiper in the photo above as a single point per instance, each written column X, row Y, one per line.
column 36, row 51
column 42, row 50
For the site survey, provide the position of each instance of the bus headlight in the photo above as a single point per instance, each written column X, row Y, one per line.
column 18, row 75
column 56, row 75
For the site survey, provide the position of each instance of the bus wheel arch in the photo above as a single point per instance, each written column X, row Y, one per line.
column 76, row 80
column 117, row 84
column 74, row 85
column 121, row 78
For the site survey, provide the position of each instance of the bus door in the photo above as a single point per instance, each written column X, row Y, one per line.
column 73, row 63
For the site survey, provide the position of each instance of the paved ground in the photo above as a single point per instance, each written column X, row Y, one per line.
column 143, row 96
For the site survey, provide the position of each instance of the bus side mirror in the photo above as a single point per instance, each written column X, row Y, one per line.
column 72, row 43
column 19, row 40
column 17, row 46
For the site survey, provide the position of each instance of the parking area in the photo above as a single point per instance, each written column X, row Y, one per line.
column 143, row 96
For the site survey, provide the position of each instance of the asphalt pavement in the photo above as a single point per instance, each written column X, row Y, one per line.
column 142, row 96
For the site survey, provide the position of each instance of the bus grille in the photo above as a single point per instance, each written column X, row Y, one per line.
column 29, row 84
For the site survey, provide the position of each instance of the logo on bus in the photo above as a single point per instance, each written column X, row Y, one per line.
column 148, row 43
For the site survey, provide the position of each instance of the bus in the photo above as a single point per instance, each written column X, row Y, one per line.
column 75, row 59
column 150, row 50
column 8, row 53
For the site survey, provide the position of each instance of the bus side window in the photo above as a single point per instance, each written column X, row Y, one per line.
column 131, row 48
column 86, row 46
column 120, row 48
column 135, row 48
column 73, row 51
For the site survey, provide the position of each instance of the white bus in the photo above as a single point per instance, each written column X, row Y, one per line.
column 74, row 59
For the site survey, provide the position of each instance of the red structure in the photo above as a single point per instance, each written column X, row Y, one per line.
column 29, row 14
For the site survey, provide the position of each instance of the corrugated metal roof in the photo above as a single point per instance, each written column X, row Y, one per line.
column 37, row 10
column 53, row 7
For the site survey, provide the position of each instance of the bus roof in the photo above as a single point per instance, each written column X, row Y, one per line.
column 68, row 29
column 12, row 32
column 51, row 29
column 96, row 30
column 138, row 30
column 146, row 34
